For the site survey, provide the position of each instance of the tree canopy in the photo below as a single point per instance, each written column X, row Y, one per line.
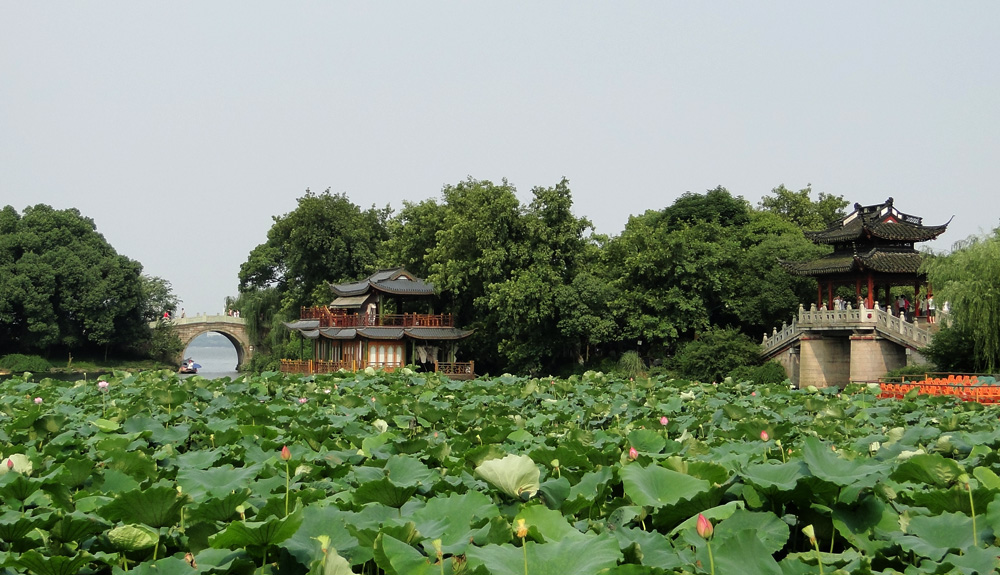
column 63, row 287
column 968, row 279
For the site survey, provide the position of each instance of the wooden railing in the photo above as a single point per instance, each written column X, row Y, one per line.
column 454, row 370
column 328, row 318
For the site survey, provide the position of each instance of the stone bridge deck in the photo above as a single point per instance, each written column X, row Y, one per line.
column 834, row 347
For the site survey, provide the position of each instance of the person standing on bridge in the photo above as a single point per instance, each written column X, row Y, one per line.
column 183, row 315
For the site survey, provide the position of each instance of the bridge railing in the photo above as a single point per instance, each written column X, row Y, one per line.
column 884, row 321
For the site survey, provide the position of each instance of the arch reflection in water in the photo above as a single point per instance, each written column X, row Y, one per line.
column 215, row 353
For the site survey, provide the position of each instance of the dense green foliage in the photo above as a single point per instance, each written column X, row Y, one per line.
column 969, row 279
column 19, row 363
column 409, row 474
column 64, row 288
column 540, row 289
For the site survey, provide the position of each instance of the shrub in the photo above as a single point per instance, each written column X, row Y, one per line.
column 20, row 363
column 715, row 354
column 631, row 365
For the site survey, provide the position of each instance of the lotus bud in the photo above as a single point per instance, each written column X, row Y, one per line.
column 764, row 436
column 664, row 420
column 286, row 453
column 632, row 453
column 38, row 401
column 10, row 464
column 704, row 527
column 809, row 532
column 438, row 549
column 302, row 400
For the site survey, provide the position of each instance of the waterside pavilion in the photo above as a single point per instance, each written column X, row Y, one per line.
column 873, row 251
column 375, row 323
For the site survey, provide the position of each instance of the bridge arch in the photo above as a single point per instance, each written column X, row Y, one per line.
column 232, row 328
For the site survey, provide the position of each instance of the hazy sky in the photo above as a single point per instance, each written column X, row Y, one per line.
column 181, row 128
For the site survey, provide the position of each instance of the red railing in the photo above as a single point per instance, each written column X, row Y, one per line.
column 454, row 370
column 329, row 318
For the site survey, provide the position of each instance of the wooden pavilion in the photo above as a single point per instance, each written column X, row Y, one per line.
column 873, row 250
column 381, row 322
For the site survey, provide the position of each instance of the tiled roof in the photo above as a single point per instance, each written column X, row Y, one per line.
column 394, row 281
column 885, row 261
column 437, row 333
column 302, row 324
column 879, row 221
column 381, row 332
column 338, row 332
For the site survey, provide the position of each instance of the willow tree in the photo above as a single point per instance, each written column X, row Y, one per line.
column 969, row 280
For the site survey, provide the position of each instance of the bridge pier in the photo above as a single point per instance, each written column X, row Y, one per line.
column 824, row 361
column 873, row 356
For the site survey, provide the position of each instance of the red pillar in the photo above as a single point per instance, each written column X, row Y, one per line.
column 871, row 292
column 829, row 294
column 819, row 294
column 916, row 297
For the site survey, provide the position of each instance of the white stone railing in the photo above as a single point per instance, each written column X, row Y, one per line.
column 869, row 319
column 201, row 318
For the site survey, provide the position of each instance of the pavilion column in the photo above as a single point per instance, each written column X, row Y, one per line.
column 916, row 297
column 829, row 294
column 871, row 291
column 819, row 294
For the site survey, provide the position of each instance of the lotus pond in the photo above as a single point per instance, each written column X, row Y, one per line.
column 406, row 473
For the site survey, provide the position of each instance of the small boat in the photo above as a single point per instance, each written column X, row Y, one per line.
column 189, row 366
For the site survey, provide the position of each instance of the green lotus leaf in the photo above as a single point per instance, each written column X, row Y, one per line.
column 824, row 463
column 741, row 552
column 930, row 468
column 218, row 508
column 77, row 527
column 39, row 564
column 547, row 524
column 647, row 440
column 133, row 537
column 16, row 526
column 384, row 491
column 587, row 555
column 259, row 534
column 106, row 425
column 451, row 518
column 169, row 397
column 405, row 470
column 934, row 537
column 656, row 486
column 515, row 475
column 157, row 507
column 397, row 558
column 18, row 487
column 217, row 481
column 772, row 478
column 772, row 531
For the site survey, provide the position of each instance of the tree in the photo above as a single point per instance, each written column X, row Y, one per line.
column 968, row 278
column 799, row 208
column 158, row 297
column 326, row 238
column 62, row 286
column 535, row 305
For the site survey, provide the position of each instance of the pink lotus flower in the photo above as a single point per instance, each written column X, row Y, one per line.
column 286, row 453
column 704, row 527
column 753, row 393
column 302, row 400
column 10, row 464
column 633, row 453
column 764, row 436
column 102, row 385
column 664, row 420
column 38, row 401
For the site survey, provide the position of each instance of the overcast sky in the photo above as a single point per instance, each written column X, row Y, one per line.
column 181, row 128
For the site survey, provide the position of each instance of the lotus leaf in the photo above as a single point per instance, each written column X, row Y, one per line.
column 515, row 475
column 133, row 537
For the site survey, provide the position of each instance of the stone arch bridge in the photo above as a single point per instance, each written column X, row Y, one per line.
column 233, row 328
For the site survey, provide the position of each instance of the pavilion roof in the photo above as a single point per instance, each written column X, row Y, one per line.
column 876, row 260
column 396, row 281
column 881, row 221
